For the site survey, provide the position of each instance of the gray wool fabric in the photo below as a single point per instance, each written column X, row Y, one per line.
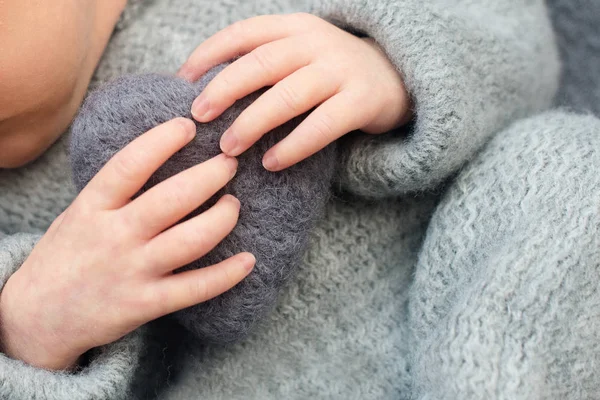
column 278, row 210
column 579, row 43
column 459, row 256
column 505, row 303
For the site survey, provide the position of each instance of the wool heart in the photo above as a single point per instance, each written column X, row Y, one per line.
column 278, row 210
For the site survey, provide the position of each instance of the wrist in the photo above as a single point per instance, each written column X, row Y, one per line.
column 21, row 340
column 400, row 97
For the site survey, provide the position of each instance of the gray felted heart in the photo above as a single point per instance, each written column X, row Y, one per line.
column 278, row 210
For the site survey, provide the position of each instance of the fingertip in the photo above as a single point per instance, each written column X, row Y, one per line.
column 248, row 261
column 229, row 143
column 232, row 199
column 271, row 162
column 187, row 125
column 186, row 73
column 231, row 162
column 201, row 108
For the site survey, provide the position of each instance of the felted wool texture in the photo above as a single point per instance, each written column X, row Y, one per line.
column 340, row 328
column 278, row 210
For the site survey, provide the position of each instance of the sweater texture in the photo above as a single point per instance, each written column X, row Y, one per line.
column 458, row 256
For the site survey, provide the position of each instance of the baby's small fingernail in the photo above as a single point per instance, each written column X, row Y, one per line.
column 229, row 143
column 232, row 163
column 200, row 107
column 248, row 261
column 271, row 162
column 189, row 127
column 233, row 199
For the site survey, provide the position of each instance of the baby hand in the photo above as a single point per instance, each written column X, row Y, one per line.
column 105, row 266
column 310, row 63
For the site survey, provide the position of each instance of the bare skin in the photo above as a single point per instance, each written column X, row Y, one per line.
column 110, row 258
column 49, row 52
column 310, row 63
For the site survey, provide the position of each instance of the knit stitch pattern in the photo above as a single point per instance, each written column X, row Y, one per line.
column 488, row 298
column 506, row 280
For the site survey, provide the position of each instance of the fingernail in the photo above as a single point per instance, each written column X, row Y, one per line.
column 270, row 162
column 232, row 163
column 248, row 261
column 200, row 107
column 189, row 127
column 234, row 200
column 229, row 142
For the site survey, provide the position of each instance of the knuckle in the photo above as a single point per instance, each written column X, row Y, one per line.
column 198, row 290
column 235, row 31
column 126, row 166
column 219, row 87
column 177, row 197
column 328, row 74
column 151, row 300
column 123, row 227
column 289, row 97
column 324, row 127
column 262, row 56
column 79, row 210
column 360, row 91
column 304, row 17
column 197, row 238
column 358, row 100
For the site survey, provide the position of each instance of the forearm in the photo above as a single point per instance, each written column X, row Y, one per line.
column 49, row 56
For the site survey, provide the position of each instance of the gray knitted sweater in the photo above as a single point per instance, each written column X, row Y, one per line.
column 458, row 261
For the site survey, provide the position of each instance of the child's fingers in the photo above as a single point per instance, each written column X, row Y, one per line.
column 168, row 202
column 128, row 170
column 263, row 66
column 192, row 239
column 293, row 96
column 333, row 119
column 189, row 288
column 238, row 38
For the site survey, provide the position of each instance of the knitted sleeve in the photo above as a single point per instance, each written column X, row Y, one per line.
column 108, row 373
column 132, row 9
column 471, row 67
